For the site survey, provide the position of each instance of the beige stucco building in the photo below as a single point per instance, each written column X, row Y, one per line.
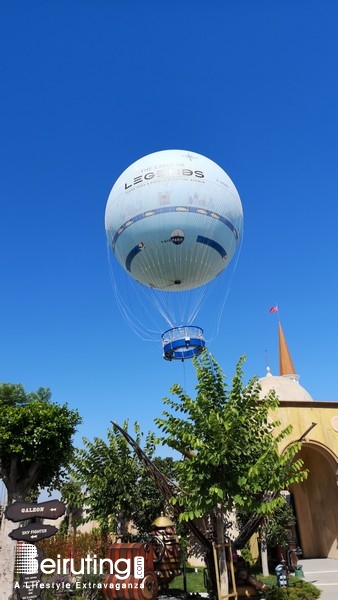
column 314, row 423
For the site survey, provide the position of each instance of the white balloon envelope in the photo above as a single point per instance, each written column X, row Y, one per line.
column 173, row 221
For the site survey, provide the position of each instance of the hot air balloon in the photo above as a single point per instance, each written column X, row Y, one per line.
column 173, row 222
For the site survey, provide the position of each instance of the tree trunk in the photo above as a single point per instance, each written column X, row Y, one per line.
column 8, row 547
column 221, row 555
column 264, row 557
column 7, row 559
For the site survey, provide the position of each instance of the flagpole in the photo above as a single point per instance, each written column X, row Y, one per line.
column 267, row 367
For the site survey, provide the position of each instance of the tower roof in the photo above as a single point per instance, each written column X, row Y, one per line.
column 286, row 384
column 285, row 361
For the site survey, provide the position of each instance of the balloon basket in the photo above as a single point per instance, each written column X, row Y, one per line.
column 181, row 343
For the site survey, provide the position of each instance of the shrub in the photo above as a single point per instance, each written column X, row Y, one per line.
column 52, row 593
column 300, row 590
column 76, row 546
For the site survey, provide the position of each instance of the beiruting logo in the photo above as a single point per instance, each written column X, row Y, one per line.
column 26, row 561
column 27, row 564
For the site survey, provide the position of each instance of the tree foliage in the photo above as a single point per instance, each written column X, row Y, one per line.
column 231, row 442
column 150, row 502
column 116, row 486
column 73, row 497
column 277, row 528
column 35, row 440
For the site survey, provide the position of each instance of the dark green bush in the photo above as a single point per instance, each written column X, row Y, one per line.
column 300, row 590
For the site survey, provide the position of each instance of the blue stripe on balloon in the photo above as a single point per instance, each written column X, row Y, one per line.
column 174, row 209
column 131, row 256
column 215, row 245
column 201, row 239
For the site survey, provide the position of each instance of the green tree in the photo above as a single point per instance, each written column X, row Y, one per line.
column 117, row 489
column 35, row 440
column 73, row 497
column 150, row 502
column 277, row 528
column 35, row 449
column 232, row 449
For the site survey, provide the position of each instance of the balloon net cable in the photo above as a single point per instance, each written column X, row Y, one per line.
column 149, row 311
column 224, row 297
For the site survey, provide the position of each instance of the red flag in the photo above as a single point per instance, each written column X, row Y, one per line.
column 274, row 308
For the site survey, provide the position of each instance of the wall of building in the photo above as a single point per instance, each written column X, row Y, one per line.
column 316, row 499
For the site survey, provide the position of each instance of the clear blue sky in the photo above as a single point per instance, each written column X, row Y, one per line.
column 88, row 87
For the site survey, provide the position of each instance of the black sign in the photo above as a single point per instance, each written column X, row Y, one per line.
column 20, row 511
column 29, row 581
column 29, row 593
column 30, row 587
column 33, row 532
